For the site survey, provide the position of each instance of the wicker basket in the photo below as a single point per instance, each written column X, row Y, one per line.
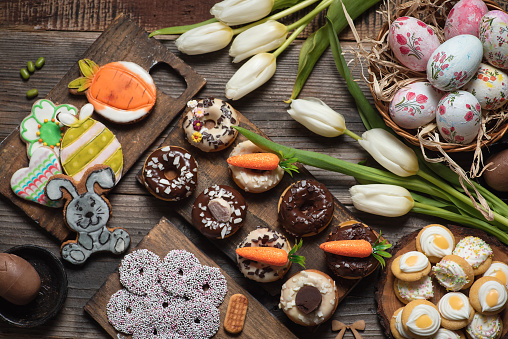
column 383, row 106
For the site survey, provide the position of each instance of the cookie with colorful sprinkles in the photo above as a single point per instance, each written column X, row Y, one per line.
column 485, row 327
column 139, row 270
column 407, row 291
column 476, row 252
column 174, row 270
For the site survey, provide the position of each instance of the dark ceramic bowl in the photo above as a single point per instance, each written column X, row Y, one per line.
column 51, row 296
column 487, row 153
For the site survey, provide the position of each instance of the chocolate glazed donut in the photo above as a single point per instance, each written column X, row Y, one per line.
column 305, row 208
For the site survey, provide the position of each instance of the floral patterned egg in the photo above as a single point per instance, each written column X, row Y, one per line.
column 455, row 62
column 489, row 86
column 494, row 37
column 458, row 117
column 412, row 42
column 414, row 105
column 464, row 18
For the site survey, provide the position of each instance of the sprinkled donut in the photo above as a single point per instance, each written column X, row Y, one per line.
column 139, row 271
column 208, row 124
column 219, row 211
column 207, row 283
column 123, row 310
column 175, row 268
column 170, row 173
column 199, row 319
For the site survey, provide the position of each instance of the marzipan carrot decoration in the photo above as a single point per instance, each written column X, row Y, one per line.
column 264, row 162
column 271, row 255
column 122, row 91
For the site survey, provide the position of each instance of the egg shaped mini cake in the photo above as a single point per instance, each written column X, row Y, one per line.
column 488, row 295
column 476, row 252
column 498, row 270
column 453, row 273
column 485, row 327
column 435, row 241
column 411, row 266
column 421, row 319
column 456, row 311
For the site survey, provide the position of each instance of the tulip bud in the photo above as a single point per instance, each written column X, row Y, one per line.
column 239, row 12
column 317, row 117
column 381, row 199
column 390, row 152
column 205, row 39
column 255, row 72
column 258, row 39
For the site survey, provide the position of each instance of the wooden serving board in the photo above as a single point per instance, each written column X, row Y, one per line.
column 261, row 207
column 122, row 41
column 164, row 237
column 387, row 302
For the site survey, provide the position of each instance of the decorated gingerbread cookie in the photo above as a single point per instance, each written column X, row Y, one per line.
column 42, row 127
column 87, row 212
column 86, row 143
column 29, row 182
column 122, row 92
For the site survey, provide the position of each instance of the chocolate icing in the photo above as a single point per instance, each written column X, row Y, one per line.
column 348, row 266
column 308, row 299
column 306, row 207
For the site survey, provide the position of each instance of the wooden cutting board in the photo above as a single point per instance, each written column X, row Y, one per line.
column 261, row 207
column 122, row 41
column 164, row 237
column 387, row 302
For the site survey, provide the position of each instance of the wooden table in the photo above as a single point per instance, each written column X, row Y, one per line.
column 61, row 31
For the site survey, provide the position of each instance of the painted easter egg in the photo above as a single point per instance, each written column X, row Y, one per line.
column 414, row 105
column 455, row 62
column 494, row 37
column 489, row 86
column 412, row 42
column 86, row 143
column 464, row 18
column 458, row 117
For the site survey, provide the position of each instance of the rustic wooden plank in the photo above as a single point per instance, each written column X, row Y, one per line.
column 122, row 41
column 163, row 238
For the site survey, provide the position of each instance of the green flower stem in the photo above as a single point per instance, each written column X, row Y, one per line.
column 460, row 219
column 181, row 29
column 289, row 40
column 311, row 15
column 352, row 134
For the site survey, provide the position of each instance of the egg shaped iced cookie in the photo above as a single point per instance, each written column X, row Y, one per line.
column 494, row 38
column 489, row 86
column 464, row 18
column 414, row 105
column 456, row 311
column 411, row 266
column 455, row 62
column 412, row 42
column 498, row 270
column 421, row 319
column 458, row 117
column 435, row 241
column 488, row 295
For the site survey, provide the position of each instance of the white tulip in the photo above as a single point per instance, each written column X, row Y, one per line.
column 255, row 72
column 390, row 152
column 317, row 117
column 258, row 39
column 381, row 199
column 239, row 12
column 205, row 39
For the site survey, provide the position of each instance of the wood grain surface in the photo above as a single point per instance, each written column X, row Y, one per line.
column 163, row 238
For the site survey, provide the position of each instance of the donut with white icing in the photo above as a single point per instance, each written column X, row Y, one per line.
column 208, row 124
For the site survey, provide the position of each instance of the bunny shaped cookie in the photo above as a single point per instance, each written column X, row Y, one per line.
column 87, row 212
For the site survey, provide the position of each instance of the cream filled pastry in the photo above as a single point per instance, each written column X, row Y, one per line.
column 407, row 291
column 436, row 241
column 498, row 270
column 475, row 251
column 485, row 326
column 444, row 333
column 455, row 306
column 413, row 261
column 424, row 320
column 492, row 296
column 452, row 275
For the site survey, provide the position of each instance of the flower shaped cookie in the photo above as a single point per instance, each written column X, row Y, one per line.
column 42, row 128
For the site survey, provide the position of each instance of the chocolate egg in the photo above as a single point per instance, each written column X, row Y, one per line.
column 412, row 42
column 455, row 62
column 458, row 117
column 414, row 105
column 489, row 86
column 19, row 281
column 495, row 175
column 464, row 18
column 494, row 37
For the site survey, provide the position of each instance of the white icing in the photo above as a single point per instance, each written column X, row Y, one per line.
column 448, row 312
column 416, row 290
column 443, row 333
column 485, row 289
column 427, row 241
column 424, row 310
column 421, row 263
column 474, row 250
column 497, row 268
column 484, row 326
column 400, row 328
column 450, row 275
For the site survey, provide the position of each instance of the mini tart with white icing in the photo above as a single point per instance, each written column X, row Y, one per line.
column 453, row 273
column 476, row 252
column 407, row 291
column 435, row 241
column 456, row 311
column 309, row 297
column 396, row 327
column 488, row 295
column 208, row 124
column 485, row 327
column 411, row 266
column 498, row 270
column 444, row 333
column 258, row 271
column 421, row 319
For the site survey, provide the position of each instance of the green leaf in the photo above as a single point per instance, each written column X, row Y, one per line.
column 88, row 68
column 80, row 84
column 297, row 259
